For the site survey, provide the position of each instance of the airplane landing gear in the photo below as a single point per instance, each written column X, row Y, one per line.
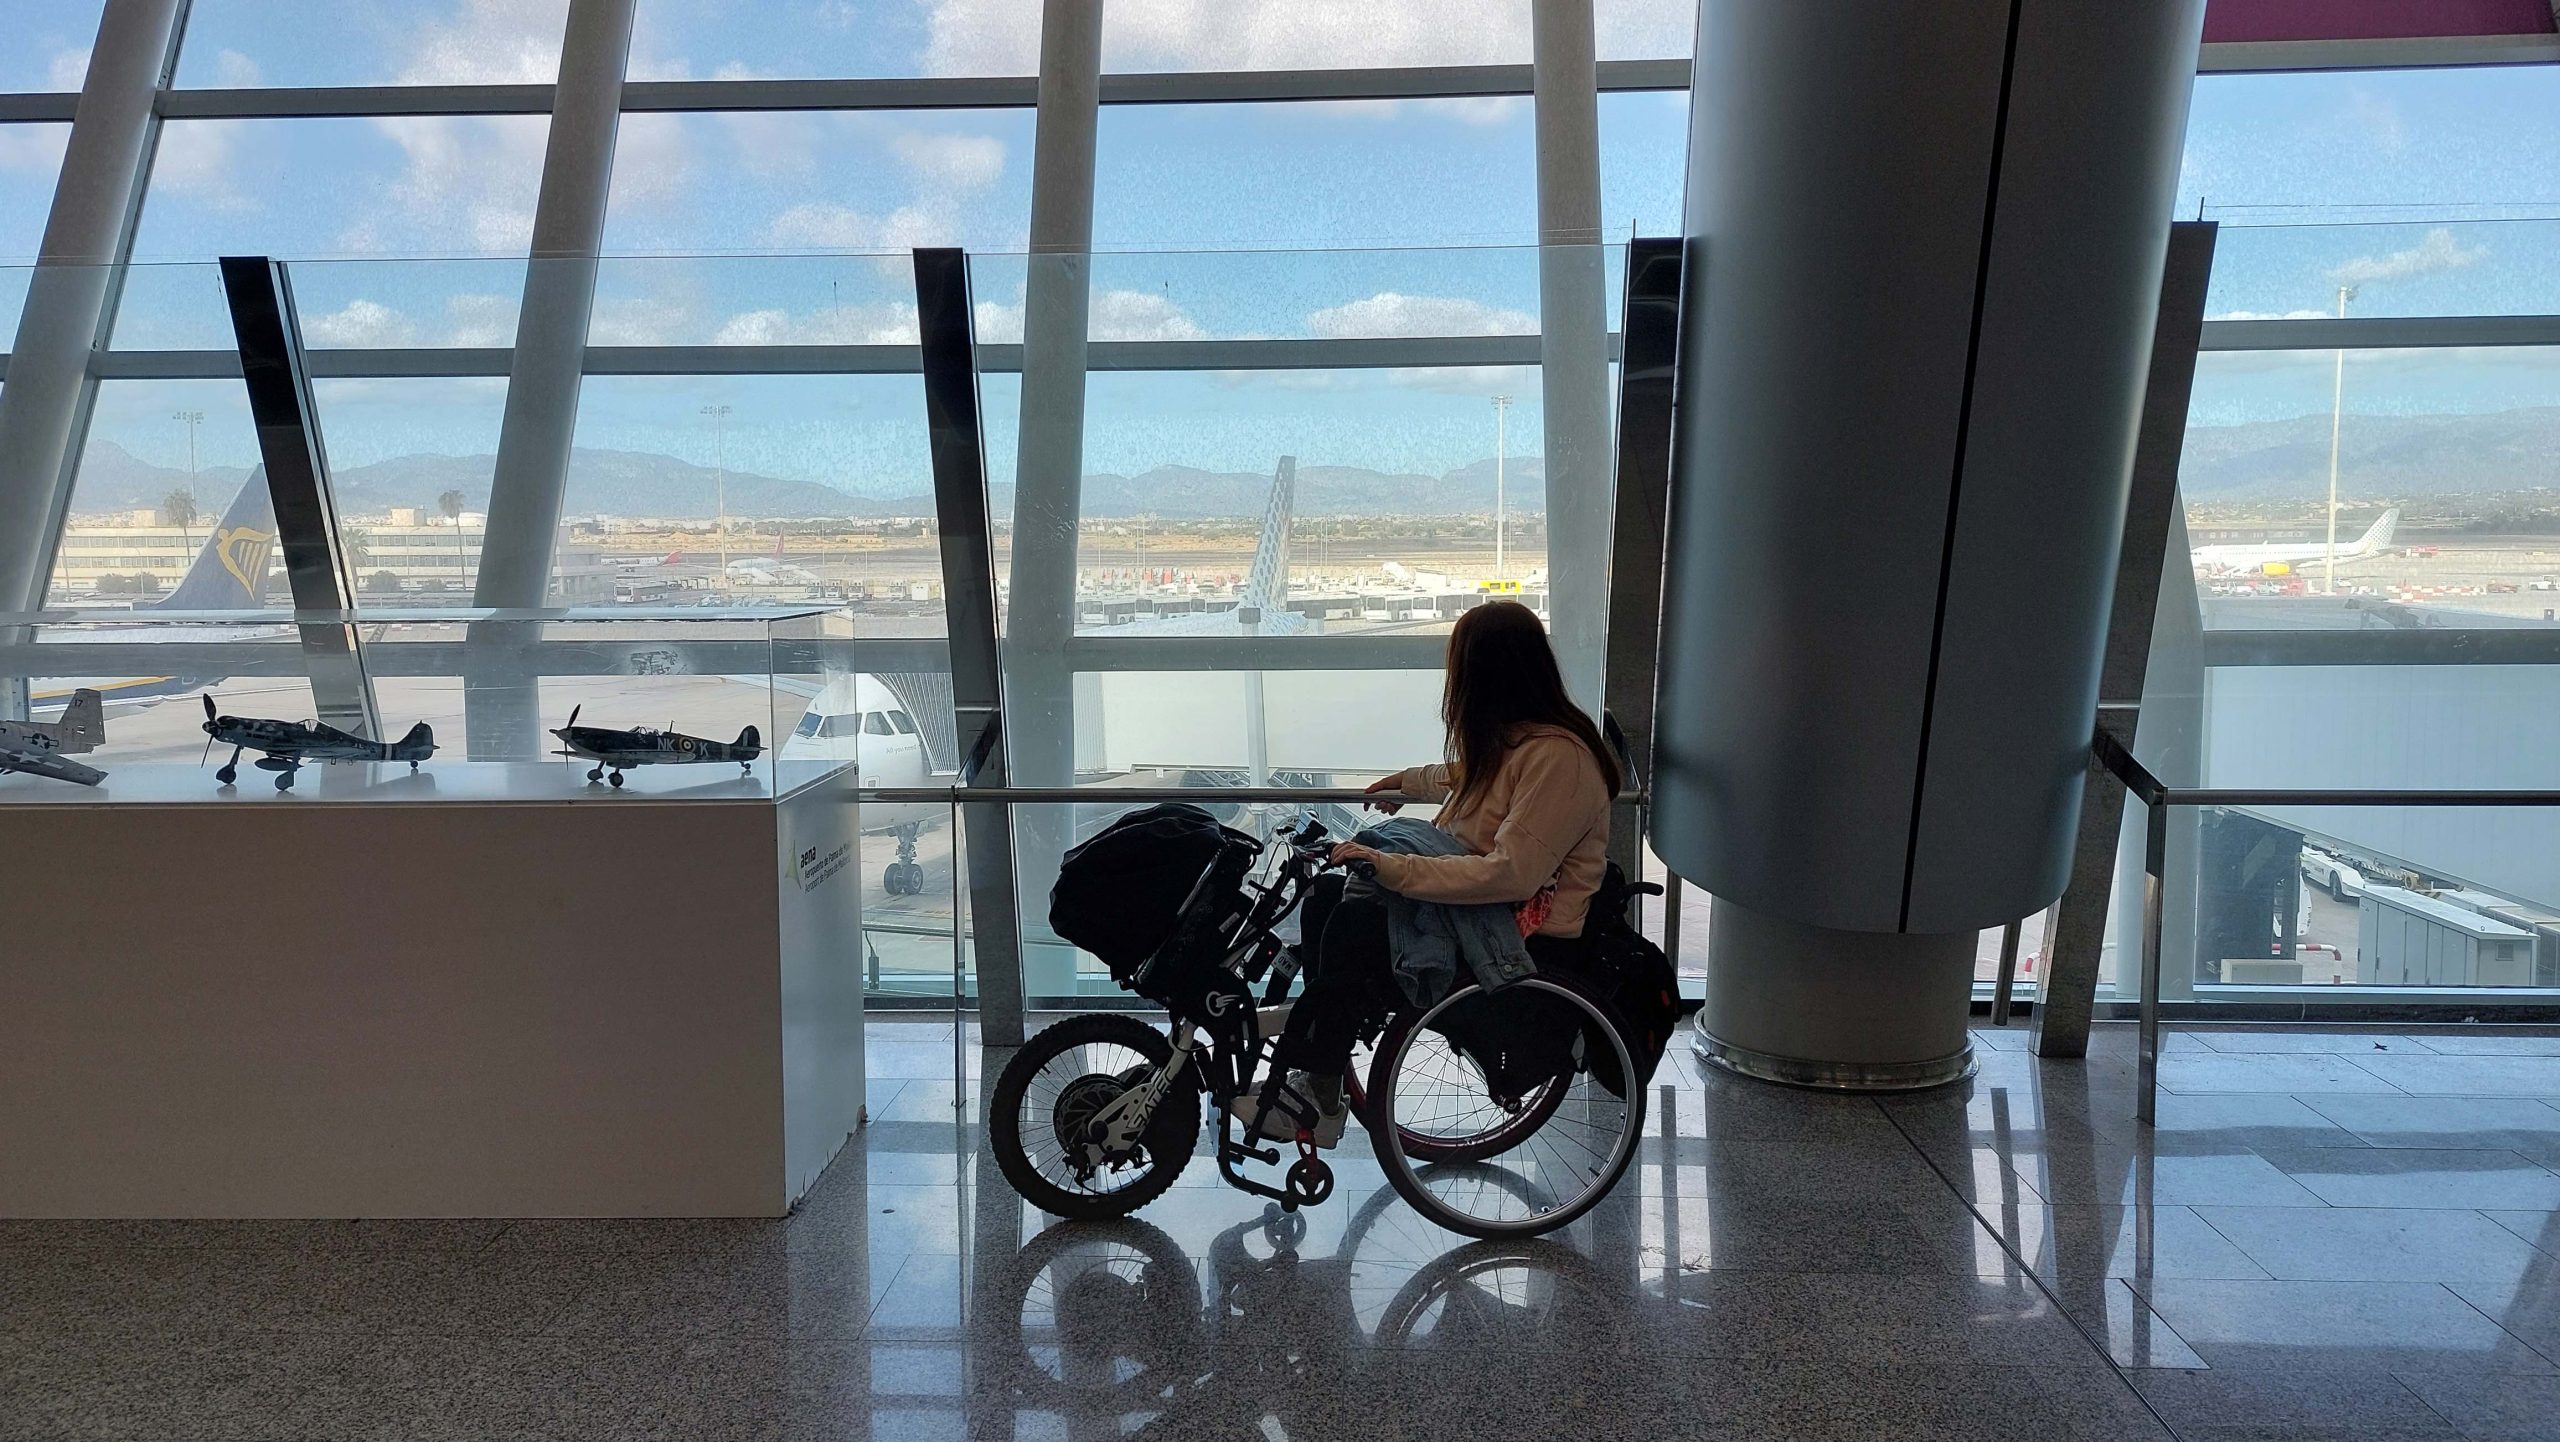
column 284, row 779
column 903, row 877
column 616, row 779
column 595, row 775
column 230, row 771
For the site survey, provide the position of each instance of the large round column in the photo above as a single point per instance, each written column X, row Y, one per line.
column 1925, row 246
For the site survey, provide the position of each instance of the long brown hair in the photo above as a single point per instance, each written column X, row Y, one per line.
column 1502, row 677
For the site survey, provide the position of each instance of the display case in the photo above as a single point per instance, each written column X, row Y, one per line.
column 461, row 975
column 427, row 704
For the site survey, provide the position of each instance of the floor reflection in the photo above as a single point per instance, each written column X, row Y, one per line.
column 2012, row 1257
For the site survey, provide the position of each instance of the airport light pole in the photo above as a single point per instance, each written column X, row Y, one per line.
column 1501, row 405
column 186, row 537
column 2337, row 417
column 720, row 487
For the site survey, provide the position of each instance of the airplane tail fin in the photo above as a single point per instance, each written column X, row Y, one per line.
column 419, row 743
column 84, row 721
column 230, row 573
column 749, row 738
column 2380, row 536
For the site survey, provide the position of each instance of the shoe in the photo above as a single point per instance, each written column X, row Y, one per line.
column 1280, row 1126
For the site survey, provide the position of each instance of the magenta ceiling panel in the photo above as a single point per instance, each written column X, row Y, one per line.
column 2372, row 19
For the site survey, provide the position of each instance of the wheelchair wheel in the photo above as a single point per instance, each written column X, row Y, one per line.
column 1552, row 1035
column 1043, row 1118
column 1478, row 1120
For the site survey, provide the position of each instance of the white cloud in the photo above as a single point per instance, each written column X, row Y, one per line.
column 638, row 320
column 231, row 68
column 481, row 320
column 361, row 323
column 471, row 180
column 68, row 69
column 490, row 42
column 951, row 162
column 889, row 323
column 32, row 149
column 1139, row 315
column 2437, row 253
column 195, row 158
column 2270, row 315
column 1002, row 37
column 998, row 324
column 781, row 144
column 822, row 226
column 652, row 156
column 1389, row 313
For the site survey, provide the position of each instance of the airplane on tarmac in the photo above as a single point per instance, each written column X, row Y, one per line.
column 290, row 744
column 2285, row 557
column 38, row 748
column 863, row 719
column 614, row 751
column 860, row 719
column 229, row 574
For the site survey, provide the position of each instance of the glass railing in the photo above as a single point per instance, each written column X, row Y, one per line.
column 2249, row 929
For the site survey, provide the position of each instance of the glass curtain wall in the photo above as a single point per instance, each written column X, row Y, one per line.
column 2370, row 592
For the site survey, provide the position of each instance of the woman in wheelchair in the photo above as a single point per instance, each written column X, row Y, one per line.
column 1525, row 794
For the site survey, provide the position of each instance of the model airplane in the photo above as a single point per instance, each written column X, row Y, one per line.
column 616, row 751
column 38, row 748
column 289, row 744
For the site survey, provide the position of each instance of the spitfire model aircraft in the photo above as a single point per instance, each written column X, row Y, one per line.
column 616, row 751
column 39, row 748
column 289, row 744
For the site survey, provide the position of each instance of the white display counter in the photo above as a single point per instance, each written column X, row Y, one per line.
column 484, row 990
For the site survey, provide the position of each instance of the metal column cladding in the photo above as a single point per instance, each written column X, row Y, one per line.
column 1925, row 245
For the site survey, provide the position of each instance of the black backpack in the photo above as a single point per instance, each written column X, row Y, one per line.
column 1623, row 965
column 1120, row 891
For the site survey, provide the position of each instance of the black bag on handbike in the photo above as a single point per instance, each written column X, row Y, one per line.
column 1120, row 892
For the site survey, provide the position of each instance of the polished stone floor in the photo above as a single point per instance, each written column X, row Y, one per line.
column 2330, row 1235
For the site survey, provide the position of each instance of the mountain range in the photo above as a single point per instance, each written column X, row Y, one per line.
column 2380, row 457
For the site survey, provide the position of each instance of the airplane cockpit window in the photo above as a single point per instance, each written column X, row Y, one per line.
column 845, row 725
column 810, row 721
column 906, row 724
column 876, row 723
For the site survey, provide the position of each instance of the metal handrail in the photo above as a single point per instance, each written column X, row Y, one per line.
column 1347, row 795
column 2157, row 797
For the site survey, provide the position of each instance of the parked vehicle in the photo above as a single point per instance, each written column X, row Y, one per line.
column 2339, row 878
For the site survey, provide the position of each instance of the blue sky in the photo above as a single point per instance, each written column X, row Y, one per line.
column 2433, row 192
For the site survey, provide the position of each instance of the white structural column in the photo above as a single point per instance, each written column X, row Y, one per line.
column 559, row 296
column 1049, row 466
column 1573, row 346
column 71, row 296
column 541, row 418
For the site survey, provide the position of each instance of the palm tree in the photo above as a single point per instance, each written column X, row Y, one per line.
column 450, row 503
column 179, row 506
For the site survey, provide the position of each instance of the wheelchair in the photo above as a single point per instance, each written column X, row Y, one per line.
column 1493, row 1114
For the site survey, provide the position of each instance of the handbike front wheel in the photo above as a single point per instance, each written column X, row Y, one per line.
column 1047, row 1118
column 1541, row 1031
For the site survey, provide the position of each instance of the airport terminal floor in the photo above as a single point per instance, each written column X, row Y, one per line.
column 2332, row 1234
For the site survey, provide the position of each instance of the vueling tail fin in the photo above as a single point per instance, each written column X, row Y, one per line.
column 230, row 573
column 2380, row 536
column 84, row 722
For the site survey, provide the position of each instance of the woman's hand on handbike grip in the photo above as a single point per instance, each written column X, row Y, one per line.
column 1386, row 783
column 1359, row 860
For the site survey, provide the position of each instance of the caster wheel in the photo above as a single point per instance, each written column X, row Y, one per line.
column 226, row 775
column 1309, row 1182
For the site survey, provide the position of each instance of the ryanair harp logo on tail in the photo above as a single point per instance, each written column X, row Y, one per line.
column 243, row 552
